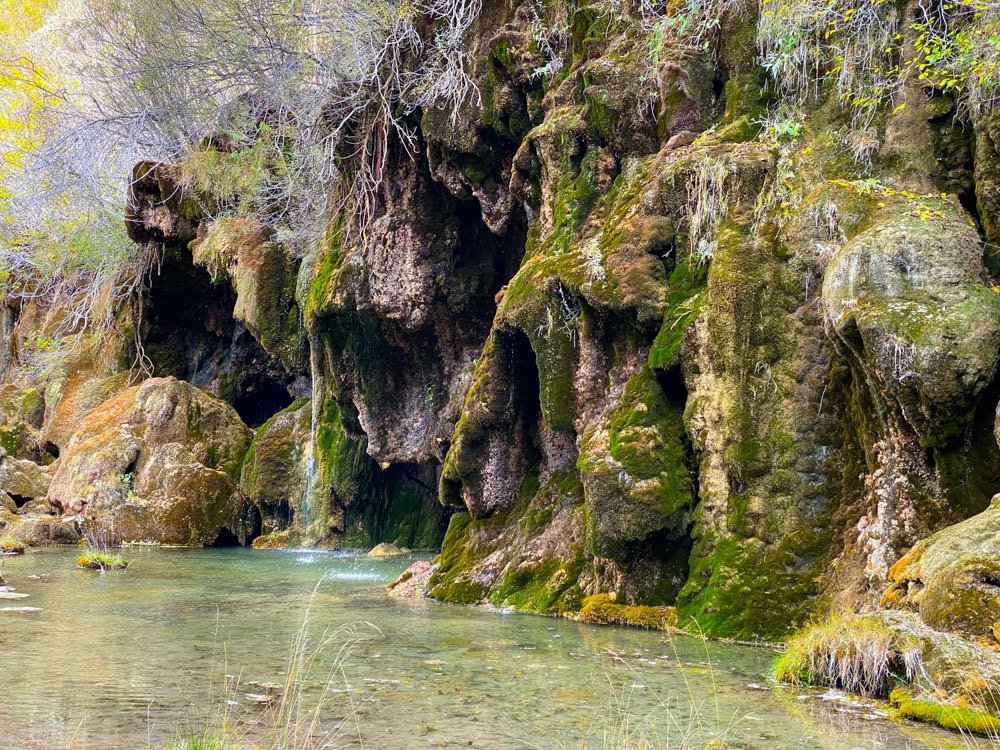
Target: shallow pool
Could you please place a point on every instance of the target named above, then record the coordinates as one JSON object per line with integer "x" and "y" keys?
{"x": 130, "y": 660}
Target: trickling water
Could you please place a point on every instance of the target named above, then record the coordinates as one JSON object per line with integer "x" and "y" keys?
{"x": 119, "y": 661}
{"x": 314, "y": 408}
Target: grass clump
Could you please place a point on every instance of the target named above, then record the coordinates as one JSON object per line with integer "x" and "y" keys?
{"x": 601, "y": 609}
{"x": 200, "y": 742}
{"x": 856, "y": 653}
{"x": 11, "y": 545}
{"x": 101, "y": 561}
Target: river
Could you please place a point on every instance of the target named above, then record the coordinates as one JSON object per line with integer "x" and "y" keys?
{"x": 135, "y": 659}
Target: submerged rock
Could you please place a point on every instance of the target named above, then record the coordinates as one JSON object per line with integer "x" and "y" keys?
{"x": 386, "y": 549}
{"x": 157, "y": 462}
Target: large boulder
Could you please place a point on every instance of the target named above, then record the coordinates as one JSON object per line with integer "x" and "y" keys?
{"x": 907, "y": 298}
{"x": 953, "y": 577}
{"x": 22, "y": 479}
{"x": 157, "y": 462}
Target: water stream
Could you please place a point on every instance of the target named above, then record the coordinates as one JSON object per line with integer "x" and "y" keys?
{"x": 116, "y": 661}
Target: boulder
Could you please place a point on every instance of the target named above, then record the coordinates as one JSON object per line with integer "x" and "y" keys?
{"x": 386, "y": 549}
{"x": 953, "y": 577}
{"x": 21, "y": 478}
{"x": 414, "y": 582}
{"x": 274, "y": 472}
{"x": 906, "y": 298}
{"x": 38, "y": 531}
{"x": 157, "y": 462}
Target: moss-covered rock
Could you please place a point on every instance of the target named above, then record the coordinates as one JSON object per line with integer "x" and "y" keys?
{"x": 157, "y": 462}
{"x": 906, "y": 296}
{"x": 22, "y": 411}
{"x": 274, "y": 474}
{"x": 263, "y": 275}
{"x": 953, "y": 577}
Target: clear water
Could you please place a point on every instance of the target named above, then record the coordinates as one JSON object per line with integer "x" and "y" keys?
{"x": 130, "y": 660}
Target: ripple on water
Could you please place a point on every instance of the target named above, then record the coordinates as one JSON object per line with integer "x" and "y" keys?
{"x": 151, "y": 646}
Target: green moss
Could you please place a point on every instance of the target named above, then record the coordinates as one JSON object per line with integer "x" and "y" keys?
{"x": 246, "y": 472}
{"x": 394, "y": 509}
{"x": 685, "y": 299}
{"x": 501, "y": 52}
{"x": 324, "y": 274}
{"x": 600, "y": 609}
{"x": 742, "y": 589}
{"x": 448, "y": 584}
{"x": 549, "y": 587}
{"x": 9, "y": 440}
{"x": 646, "y": 486}
{"x": 956, "y": 718}
{"x": 556, "y": 357}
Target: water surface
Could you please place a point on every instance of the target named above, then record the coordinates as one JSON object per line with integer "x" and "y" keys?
{"x": 129, "y": 660}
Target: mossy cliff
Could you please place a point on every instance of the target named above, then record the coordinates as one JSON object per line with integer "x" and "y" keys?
{"x": 638, "y": 326}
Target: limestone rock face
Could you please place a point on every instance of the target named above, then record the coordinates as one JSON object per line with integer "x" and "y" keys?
{"x": 263, "y": 275}
{"x": 906, "y": 297}
{"x": 274, "y": 473}
{"x": 157, "y": 462}
{"x": 399, "y": 313}
{"x": 620, "y": 332}
{"x": 73, "y": 398}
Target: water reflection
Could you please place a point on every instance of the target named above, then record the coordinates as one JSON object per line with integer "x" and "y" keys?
{"x": 125, "y": 660}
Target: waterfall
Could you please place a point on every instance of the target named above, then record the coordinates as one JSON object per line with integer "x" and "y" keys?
{"x": 305, "y": 508}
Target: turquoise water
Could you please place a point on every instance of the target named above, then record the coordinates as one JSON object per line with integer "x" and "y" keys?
{"x": 128, "y": 660}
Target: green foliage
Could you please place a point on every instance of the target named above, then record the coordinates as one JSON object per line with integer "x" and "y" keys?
{"x": 959, "y": 52}
{"x": 201, "y": 742}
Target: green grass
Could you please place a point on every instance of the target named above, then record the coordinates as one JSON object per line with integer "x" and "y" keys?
{"x": 11, "y": 545}
{"x": 200, "y": 742}
{"x": 101, "y": 561}
{"x": 857, "y": 653}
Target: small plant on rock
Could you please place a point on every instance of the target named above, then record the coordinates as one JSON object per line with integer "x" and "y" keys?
{"x": 99, "y": 535}
{"x": 101, "y": 561}
{"x": 11, "y": 545}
